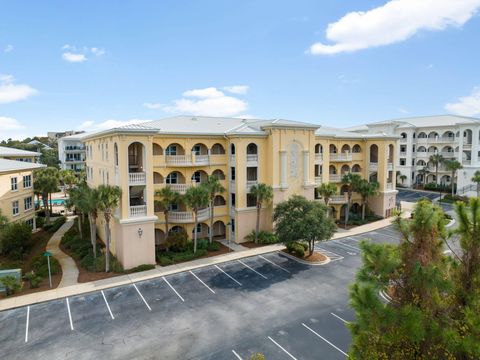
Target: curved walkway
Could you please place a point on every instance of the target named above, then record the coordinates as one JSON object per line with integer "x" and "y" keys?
{"x": 69, "y": 267}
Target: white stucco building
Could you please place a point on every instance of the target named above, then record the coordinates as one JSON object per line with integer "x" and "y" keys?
{"x": 454, "y": 137}
{"x": 71, "y": 152}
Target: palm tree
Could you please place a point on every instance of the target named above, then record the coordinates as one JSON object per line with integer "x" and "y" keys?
{"x": 263, "y": 194}
{"x": 167, "y": 198}
{"x": 350, "y": 181}
{"x": 424, "y": 172}
{"x": 109, "y": 198}
{"x": 77, "y": 200}
{"x": 68, "y": 179}
{"x": 91, "y": 206}
{"x": 214, "y": 187}
{"x": 436, "y": 160}
{"x": 196, "y": 198}
{"x": 326, "y": 191}
{"x": 476, "y": 179}
{"x": 366, "y": 190}
{"x": 453, "y": 166}
{"x": 403, "y": 178}
{"x": 46, "y": 182}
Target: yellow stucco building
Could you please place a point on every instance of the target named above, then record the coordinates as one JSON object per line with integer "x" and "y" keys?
{"x": 293, "y": 157}
{"x": 16, "y": 184}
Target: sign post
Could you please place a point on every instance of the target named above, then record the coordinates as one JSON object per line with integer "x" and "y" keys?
{"x": 48, "y": 254}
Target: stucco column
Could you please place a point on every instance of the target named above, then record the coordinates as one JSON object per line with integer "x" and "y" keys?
{"x": 475, "y": 142}
{"x": 306, "y": 166}
{"x": 460, "y": 146}
{"x": 283, "y": 169}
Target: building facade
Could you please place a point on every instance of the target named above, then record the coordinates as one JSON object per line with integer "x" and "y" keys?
{"x": 71, "y": 152}
{"x": 453, "y": 137}
{"x": 180, "y": 152}
{"x": 19, "y": 155}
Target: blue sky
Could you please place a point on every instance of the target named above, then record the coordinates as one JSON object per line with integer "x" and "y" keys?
{"x": 93, "y": 64}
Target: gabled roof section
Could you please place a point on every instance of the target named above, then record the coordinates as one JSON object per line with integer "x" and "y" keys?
{"x": 430, "y": 121}
{"x": 7, "y": 165}
{"x": 8, "y": 151}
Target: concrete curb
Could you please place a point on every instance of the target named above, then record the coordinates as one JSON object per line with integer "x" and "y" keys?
{"x": 83, "y": 288}
{"x": 294, "y": 258}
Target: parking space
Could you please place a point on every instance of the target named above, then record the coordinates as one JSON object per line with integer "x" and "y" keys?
{"x": 414, "y": 196}
{"x": 269, "y": 304}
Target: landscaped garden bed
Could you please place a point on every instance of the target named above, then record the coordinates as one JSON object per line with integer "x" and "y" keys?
{"x": 264, "y": 238}
{"x": 300, "y": 251}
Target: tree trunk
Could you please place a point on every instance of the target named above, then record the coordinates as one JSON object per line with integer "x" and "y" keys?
{"x": 347, "y": 213}
{"x": 311, "y": 247}
{"x": 436, "y": 174}
{"x": 364, "y": 205}
{"x": 195, "y": 233}
{"x": 257, "y": 226}
{"x": 107, "y": 245}
{"x": 79, "y": 223}
{"x": 51, "y": 206}
{"x": 93, "y": 235}
{"x": 166, "y": 223}
{"x": 478, "y": 189}
{"x": 45, "y": 206}
{"x": 210, "y": 233}
{"x": 453, "y": 183}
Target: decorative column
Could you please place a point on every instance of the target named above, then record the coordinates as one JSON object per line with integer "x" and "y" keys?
{"x": 306, "y": 166}
{"x": 283, "y": 169}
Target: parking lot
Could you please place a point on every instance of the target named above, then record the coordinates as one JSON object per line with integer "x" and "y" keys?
{"x": 413, "y": 196}
{"x": 269, "y": 304}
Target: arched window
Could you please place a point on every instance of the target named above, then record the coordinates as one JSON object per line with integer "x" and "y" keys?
{"x": 219, "y": 200}
{"x": 346, "y": 148}
{"x": 422, "y": 135}
{"x": 333, "y": 149}
{"x": 356, "y": 168}
{"x": 115, "y": 155}
{"x": 252, "y": 149}
{"x": 374, "y": 153}
{"x": 219, "y": 174}
{"x": 217, "y": 149}
{"x": 332, "y": 170}
{"x": 345, "y": 169}
{"x": 356, "y": 149}
{"x": 318, "y": 149}
{"x": 403, "y": 135}
{"x": 157, "y": 149}
{"x": 157, "y": 178}
{"x": 232, "y": 149}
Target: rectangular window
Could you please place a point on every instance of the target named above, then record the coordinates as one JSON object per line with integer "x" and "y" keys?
{"x": 232, "y": 199}
{"x": 15, "y": 207}
{"x": 251, "y": 200}
{"x": 106, "y": 152}
{"x": 196, "y": 149}
{"x": 27, "y": 181}
{"x": 251, "y": 173}
{"x": 402, "y": 162}
{"x": 29, "y": 222}
{"x": 232, "y": 173}
{"x": 27, "y": 203}
{"x": 13, "y": 183}
{"x": 171, "y": 150}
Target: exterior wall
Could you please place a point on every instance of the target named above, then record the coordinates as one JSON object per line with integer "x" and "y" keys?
{"x": 68, "y": 152}
{"x": 7, "y": 196}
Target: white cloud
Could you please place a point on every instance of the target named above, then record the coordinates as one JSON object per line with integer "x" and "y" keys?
{"x": 237, "y": 89}
{"x": 393, "y": 22}
{"x": 466, "y": 105}
{"x": 108, "y": 124}
{"x": 11, "y": 128}
{"x": 8, "y": 48}
{"x": 403, "y": 110}
{"x": 72, "y": 57}
{"x": 97, "y": 51}
{"x": 207, "y": 102}
{"x": 11, "y": 92}
{"x": 153, "y": 106}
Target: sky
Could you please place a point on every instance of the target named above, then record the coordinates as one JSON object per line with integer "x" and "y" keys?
{"x": 90, "y": 65}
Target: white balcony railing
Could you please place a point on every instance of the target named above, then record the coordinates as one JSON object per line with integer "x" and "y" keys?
{"x": 252, "y": 158}
{"x": 335, "y": 178}
{"x": 448, "y": 154}
{"x": 390, "y": 166}
{"x": 318, "y": 180}
{"x": 341, "y": 157}
{"x": 232, "y": 212}
{"x": 232, "y": 159}
{"x": 373, "y": 166}
{"x": 318, "y": 158}
{"x": 389, "y": 186}
{"x": 195, "y": 160}
{"x": 137, "y": 178}
{"x": 187, "y": 216}
{"x": 251, "y": 183}
{"x": 138, "y": 210}
{"x": 338, "y": 199}
{"x": 403, "y": 153}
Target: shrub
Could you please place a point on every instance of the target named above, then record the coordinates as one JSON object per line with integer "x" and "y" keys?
{"x": 12, "y": 284}
{"x": 165, "y": 260}
{"x": 53, "y": 227}
{"x": 40, "y": 221}
{"x": 264, "y": 237}
{"x": 143, "y": 267}
{"x": 177, "y": 241}
{"x": 115, "y": 265}
{"x": 297, "y": 249}
{"x": 16, "y": 239}
{"x": 39, "y": 265}
{"x": 201, "y": 244}
{"x": 257, "y": 356}
{"x": 214, "y": 246}
{"x": 33, "y": 279}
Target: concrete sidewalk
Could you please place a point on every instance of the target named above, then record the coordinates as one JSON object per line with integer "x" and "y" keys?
{"x": 62, "y": 292}
{"x": 69, "y": 267}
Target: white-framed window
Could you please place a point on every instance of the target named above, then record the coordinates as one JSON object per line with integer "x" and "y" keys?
{"x": 172, "y": 178}
{"x": 29, "y": 222}
{"x": 14, "y": 183}
{"x": 173, "y": 207}
{"x": 171, "y": 150}
{"x": 15, "y": 208}
{"x": 196, "y": 149}
{"x": 28, "y": 203}
{"x": 27, "y": 181}
{"x": 106, "y": 152}
{"x": 103, "y": 153}
{"x": 196, "y": 176}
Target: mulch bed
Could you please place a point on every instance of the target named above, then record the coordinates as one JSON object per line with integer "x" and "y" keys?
{"x": 223, "y": 250}
{"x": 252, "y": 245}
{"x": 314, "y": 258}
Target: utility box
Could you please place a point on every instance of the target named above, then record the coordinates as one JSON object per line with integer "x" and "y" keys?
{"x": 16, "y": 273}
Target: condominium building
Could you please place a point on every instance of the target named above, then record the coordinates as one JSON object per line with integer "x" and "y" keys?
{"x": 18, "y": 154}
{"x": 71, "y": 152}
{"x": 180, "y": 152}
{"x": 454, "y": 137}
{"x": 55, "y": 135}
{"x": 16, "y": 190}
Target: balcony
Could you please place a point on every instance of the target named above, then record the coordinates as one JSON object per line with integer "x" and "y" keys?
{"x": 318, "y": 180}
{"x": 195, "y": 160}
{"x": 137, "y": 178}
{"x": 138, "y": 210}
{"x": 373, "y": 166}
{"x": 179, "y": 188}
{"x": 232, "y": 159}
{"x": 319, "y": 158}
{"x": 187, "y": 216}
{"x": 341, "y": 157}
{"x": 439, "y": 140}
{"x": 252, "y": 159}
{"x": 232, "y": 186}
{"x": 403, "y": 153}
{"x": 448, "y": 154}
{"x": 335, "y": 178}
{"x": 338, "y": 199}
{"x": 251, "y": 183}
{"x": 390, "y": 166}
{"x": 389, "y": 186}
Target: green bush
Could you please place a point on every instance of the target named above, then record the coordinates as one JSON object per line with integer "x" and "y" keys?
{"x": 264, "y": 237}
{"x": 214, "y": 246}
{"x": 55, "y": 225}
{"x": 33, "y": 279}
{"x": 439, "y": 187}
{"x": 143, "y": 267}
{"x": 201, "y": 244}
{"x": 297, "y": 249}
{"x": 40, "y": 221}
{"x": 115, "y": 265}
{"x": 15, "y": 239}
{"x": 177, "y": 241}
{"x": 170, "y": 257}
{"x": 12, "y": 284}
{"x": 165, "y": 261}
{"x": 39, "y": 265}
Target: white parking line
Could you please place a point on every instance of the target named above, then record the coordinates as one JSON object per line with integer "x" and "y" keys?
{"x": 26, "y": 326}
{"x": 347, "y": 246}
{"x": 236, "y": 355}
{"x": 69, "y": 314}
{"x": 333, "y": 256}
{"x": 196, "y": 277}
{"x": 108, "y": 306}
{"x": 328, "y": 342}
{"x": 255, "y": 271}
{"x": 339, "y": 318}
{"x": 231, "y": 277}
{"x": 171, "y": 287}
{"x": 280, "y": 346}
{"x": 139, "y": 293}
{"x": 271, "y": 262}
